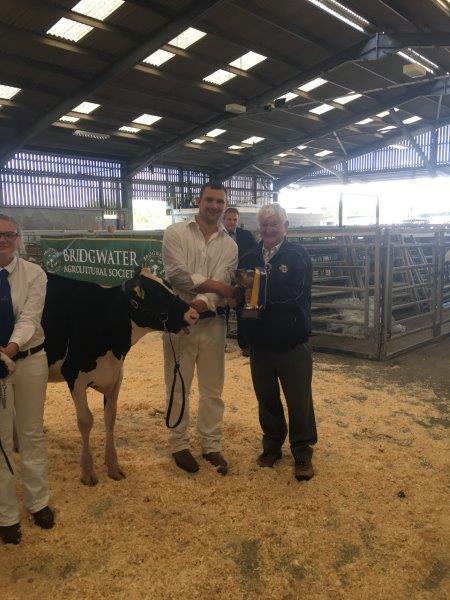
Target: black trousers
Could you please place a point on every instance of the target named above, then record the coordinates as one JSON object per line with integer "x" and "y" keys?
{"x": 293, "y": 369}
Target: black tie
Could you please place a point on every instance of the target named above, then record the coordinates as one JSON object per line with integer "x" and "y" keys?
{"x": 7, "y": 320}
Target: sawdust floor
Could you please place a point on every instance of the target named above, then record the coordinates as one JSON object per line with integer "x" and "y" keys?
{"x": 373, "y": 523}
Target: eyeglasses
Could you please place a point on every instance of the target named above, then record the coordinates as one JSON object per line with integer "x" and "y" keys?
{"x": 10, "y": 236}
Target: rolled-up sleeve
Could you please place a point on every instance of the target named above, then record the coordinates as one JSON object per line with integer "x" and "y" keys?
{"x": 29, "y": 318}
{"x": 175, "y": 265}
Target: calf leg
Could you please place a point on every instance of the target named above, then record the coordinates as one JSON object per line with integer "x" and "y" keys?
{"x": 85, "y": 421}
{"x": 115, "y": 471}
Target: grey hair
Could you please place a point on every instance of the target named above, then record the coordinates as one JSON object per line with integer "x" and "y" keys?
{"x": 271, "y": 210}
{"x": 4, "y": 217}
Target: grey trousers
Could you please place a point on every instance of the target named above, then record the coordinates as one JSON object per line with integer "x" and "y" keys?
{"x": 293, "y": 369}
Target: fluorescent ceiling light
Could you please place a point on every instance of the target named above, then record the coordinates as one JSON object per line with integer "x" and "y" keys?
{"x": 342, "y": 13}
{"x": 247, "y": 61}
{"x": 398, "y": 147}
{"x": 215, "y": 132}
{"x": 320, "y": 110}
{"x": 234, "y": 147}
{"x": 288, "y": 97}
{"x": 412, "y": 120}
{"x": 188, "y": 37}
{"x": 415, "y": 61}
{"x": 313, "y": 84}
{"x": 323, "y": 153}
{"x": 158, "y": 58}
{"x": 8, "y": 91}
{"x": 197, "y": 141}
{"x": 385, "y": 113}
{"x": 69, "y": 119}
{"x": 364, "y": 121}
{"x": 387, "y": 128}
{"x": 302, "y": 147}
{"x": 69, "y": 30}
{"x": 219, "y": 77}
{"x": 282, "y": 155}
{"x": 146, "y": 119}
{"x": 347, "y": 98}
{"x": 128, "y": 129}
{"x": 254, "y": 139}
{"x": 94, "y": 135}
{"x": 86, "y": 107}
{"x": 97, "y": 10}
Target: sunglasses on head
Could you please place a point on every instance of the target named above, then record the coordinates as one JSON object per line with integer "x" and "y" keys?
{"x": 10, "y": 236}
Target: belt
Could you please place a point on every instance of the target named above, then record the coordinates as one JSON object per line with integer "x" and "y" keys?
{"x": 28, "y": 352}
{"x": 207, "y": 314}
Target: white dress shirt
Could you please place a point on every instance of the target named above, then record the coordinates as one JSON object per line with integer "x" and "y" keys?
{"x": 189, "y": 260}
{"x": 28, "y": 284}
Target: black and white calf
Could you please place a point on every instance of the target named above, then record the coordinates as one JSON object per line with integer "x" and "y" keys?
{"x": 89, "y": 331}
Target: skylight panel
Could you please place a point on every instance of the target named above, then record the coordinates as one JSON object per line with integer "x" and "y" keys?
{"x": 197, "y": 141}
{"x": 158, "y": 58}
{"x": 8, "y": 91}
{"x": 313, "y": 84}
{"x": 320, "y": 110}
{"x": 383, "y": 114}
{"x": 69, "y": 30}
{"x": 364, "y": 121}
{"x": 188, "y": 37}
{"x": 146, "y": 119}
{"x": 215, "y": 132}
{"x": 387, "y": 128}
{"x": 234, "y": 147}
{"x": 413, "y": 119}
{"x": 288, "y": 97}
{"x": 97, "y": 10}
{"x": 347, "y": 98}
{"x": 247, "y": 61}
{"x": 129, "y": 129}
{"x": 219, "y": 77}
{"x": 86, "y": 107}
{"x": 254, "y": 139}
{"x": 323, "y": 153}
{"x": 302, "y": 147}
{"x": 69, "y": 119}
{"x": 342, "y": 13}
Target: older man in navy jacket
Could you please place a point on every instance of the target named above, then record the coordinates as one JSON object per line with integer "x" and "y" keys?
{"x": 279, "y": 349}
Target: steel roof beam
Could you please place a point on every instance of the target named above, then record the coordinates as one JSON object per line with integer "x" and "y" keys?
{"x": 433, "y": 87}
{"x": 365, "y": 51}
{"x": 195, "y": 11}
{"x": 396, "y": 137}
{"x": 430, "y": 167}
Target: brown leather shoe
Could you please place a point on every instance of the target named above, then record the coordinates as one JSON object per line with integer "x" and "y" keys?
{"x": 216, "y": 459}
{"x": 44, "y": 518}
{"x": 268, "y": 460}
{"x": 186, "y": 461}
{"x": 11, "y": 534}
{"x": 303, "y": 470}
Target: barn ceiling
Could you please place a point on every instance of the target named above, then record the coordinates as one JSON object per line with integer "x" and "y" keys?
{"x": 224, "y": 85}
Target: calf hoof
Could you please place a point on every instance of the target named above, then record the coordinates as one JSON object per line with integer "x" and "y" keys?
{"x": 89, "y": 480}
{"x": 116, "y": 473}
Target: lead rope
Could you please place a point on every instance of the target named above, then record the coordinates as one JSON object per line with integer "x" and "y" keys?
{"x": 6, "y": 458}
{"x": 3, "y": 403}
{"x": 176, "y": 372}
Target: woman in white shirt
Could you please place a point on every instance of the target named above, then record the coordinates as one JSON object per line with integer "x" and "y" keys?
{"x": 22, "y": 296}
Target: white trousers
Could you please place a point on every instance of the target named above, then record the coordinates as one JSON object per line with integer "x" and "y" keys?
{"x": 203, "y": 348}
{"x": 25, "y": 397}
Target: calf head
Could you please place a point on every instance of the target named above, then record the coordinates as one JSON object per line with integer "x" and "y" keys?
{"x": 154, "y": 305}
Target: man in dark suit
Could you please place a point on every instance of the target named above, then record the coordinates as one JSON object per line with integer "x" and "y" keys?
{"x": 245, "y": 242}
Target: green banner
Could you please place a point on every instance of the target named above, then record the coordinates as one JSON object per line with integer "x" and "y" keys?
{"x": 104, "y": 260}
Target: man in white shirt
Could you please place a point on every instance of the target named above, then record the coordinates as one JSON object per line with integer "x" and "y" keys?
{"x": 22, "y": 296}
{"x": 199, "y": 260}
